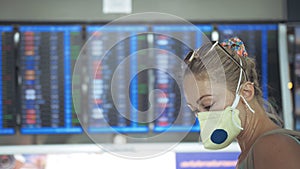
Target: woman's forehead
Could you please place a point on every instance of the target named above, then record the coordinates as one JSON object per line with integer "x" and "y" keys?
{"x": 203, "y": 85}
{"x": 196, "y": 88}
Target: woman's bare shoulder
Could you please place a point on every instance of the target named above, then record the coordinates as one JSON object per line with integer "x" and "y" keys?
{"x": 276, "y": 151}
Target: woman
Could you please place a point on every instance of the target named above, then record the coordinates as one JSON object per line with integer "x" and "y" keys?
{"x": 222, "y": 89}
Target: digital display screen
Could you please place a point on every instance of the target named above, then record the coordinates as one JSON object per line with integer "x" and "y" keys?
{"x": 47, "y": 57}
{"x": 170, "y": 107}
{"x": 118, "y": 114}
{"x": 7, "y": 81}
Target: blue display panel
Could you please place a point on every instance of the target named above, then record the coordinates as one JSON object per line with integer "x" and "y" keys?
{"x": 170, "y": 108}
{"x": 108, "y": 47}
{"x": 261, "y": 41}
{"x": 47, "y": 58}
{"x": 7, "y": 81}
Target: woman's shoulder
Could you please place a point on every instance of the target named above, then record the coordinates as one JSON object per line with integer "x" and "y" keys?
{"x": 279, "y": 138}
{"x": 277, "y": 141}
{"x": 277, "y": 149}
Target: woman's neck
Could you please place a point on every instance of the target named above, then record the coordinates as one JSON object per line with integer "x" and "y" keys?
{"x": 255, "y": 125}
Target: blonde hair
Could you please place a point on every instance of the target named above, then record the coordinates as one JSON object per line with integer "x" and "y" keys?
{"x": 217, "y": 58}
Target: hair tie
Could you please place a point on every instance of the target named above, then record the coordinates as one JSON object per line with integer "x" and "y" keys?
{"x": 236, "y": 45}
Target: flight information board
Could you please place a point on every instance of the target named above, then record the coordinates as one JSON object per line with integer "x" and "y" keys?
{"x": 47, "y": 56}
{"x": 261, "y": 41}
{"x": 7, "y": 81}
{"x": 108, "y": 47}
{"x": 173, "y": 115}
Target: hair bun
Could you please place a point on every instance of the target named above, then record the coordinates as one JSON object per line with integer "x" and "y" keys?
{"x": 236, "y": 45}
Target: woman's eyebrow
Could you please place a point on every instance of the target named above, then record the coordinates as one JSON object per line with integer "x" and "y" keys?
{"x": 200, "y": 98}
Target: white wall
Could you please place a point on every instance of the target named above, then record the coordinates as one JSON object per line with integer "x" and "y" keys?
{"x": 193, "y": 10}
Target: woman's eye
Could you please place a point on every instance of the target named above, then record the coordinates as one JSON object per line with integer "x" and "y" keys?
{"x": 207, "y": 107}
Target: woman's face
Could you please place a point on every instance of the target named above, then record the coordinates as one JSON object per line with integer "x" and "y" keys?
{"x": 203, "y": 95}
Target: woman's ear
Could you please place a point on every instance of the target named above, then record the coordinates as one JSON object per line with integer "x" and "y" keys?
{"x": 248, "y": 91}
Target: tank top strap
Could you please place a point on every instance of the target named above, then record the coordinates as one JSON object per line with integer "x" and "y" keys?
{"x": 293, "y": 134}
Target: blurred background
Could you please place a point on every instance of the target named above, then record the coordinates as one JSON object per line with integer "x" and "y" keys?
{"x": 57, "y": 60}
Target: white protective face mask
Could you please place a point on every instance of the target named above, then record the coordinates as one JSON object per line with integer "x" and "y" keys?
{"x": 219, "y": 128}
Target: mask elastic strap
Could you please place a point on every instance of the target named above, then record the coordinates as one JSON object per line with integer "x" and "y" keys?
{"x": 236, "y": 101}
{"x": 248, "y": 105}
{"x": 234, "y": 104}
{"x": 240, "y": 78}
{"x": 234, "y": 122}
{"x": 237, "y": 98}
{"x": 238, "y": 89}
